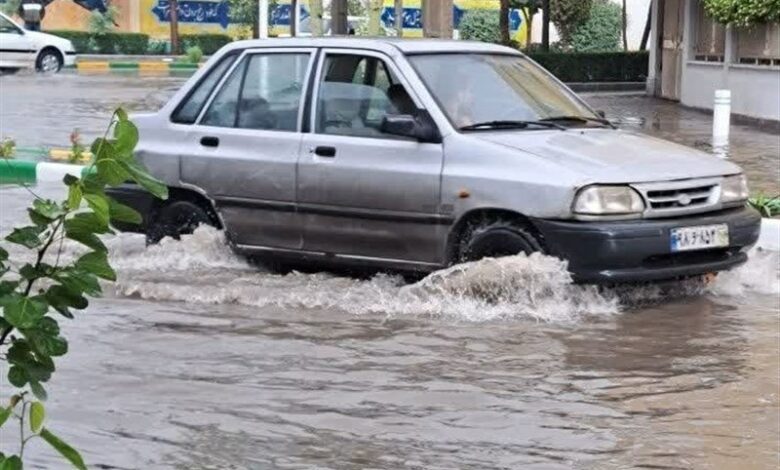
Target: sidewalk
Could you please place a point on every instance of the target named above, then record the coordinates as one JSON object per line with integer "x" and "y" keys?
{"x": 104, "y": 63}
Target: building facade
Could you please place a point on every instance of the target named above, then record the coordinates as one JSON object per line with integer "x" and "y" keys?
{"x": 691, "y": 56}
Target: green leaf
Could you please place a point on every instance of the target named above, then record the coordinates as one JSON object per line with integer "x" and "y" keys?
{"x": 74, "y": 196}
{"x": 17, "y": 377}
{"x": 6, "y": 288}
{"x": 37, "y": 415}
{"x": 64, "y": 449}
{"x": 86, "y": 222}
{"x": 45, "y": 338}
{"x": 30, "y": 272}
{"x": 112, "y": 172}
{"x": 87, "y": 239}
{"x": 121, "y": 114}
{"x": 38, "y": 391}
{"x": 38, "y": 219}
{"x": 3, "y": 254}
{"x": 122, "y": 213}
{"x": 78, "y": 281}
{"x": 28, "y": 237}
{"x": 47, "y": 208}
{"x": 5, "y": 413}
{"x": 99, "y": 206}
{"x": 70, "y": 180}
{"x": 96, "y": 263}
{"x": 12, "y": 463}
{"x": 24, "y": 312}
{"x": 126, "y": 135}
{"x": 147, "y": 181}
{"x": 60, "y": 295}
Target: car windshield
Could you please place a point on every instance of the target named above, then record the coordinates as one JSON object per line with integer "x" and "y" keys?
{"x": 484, "y": 89}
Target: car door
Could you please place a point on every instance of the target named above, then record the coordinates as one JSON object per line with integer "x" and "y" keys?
{"x": 363, "y": 193}
{"x": 245, "y": 144}
{"x": 16, "y": 48}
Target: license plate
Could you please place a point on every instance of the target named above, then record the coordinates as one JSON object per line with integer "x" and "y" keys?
{"x": 699, "y": 238}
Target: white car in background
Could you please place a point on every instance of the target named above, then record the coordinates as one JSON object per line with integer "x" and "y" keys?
{"x": 20, "y": 48}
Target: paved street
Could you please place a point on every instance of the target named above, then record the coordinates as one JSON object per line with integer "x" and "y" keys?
{"x": 196, "y": 360}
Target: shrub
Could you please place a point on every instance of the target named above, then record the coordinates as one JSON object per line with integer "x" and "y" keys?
{"x": 743, "y": 12}
{"x": 80, "y": 39}
{"x": 194, "y": 55}
{"x": 767, "y": 206}
{"x": 208, "y": 43}
{"x": 602, "y": 31}
{"x": 106, "y": 43}
{"x": 595, "y": 66}
{"x": 157, "y": 47}
{"x": 102, "y": 23}
{"x": 481, "y": 25}
{"x": 568, "y": 15}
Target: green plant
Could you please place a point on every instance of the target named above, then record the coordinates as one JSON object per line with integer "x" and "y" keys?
{"x": 157, "y": 47}
{"x": 480, "y": 25}
{"x": 208, "y": 43}
{"x": 10, "y": 7}
{"x": 743, "y": 12}
{"x": 77, "y": 148}
{"x": 767, "y": 206}
{"x": 595, "y": 66}
{"x": 80, "y": 39}
{"x": 602, "y": 31}
{"x": 7, "y": 148}
{"x": 194, "y": 55}
{"x": 39, "y": 283}
{"x": 102, "y": 23}
{"x": 106, "y": 43}
{"x": 568, "y": 15}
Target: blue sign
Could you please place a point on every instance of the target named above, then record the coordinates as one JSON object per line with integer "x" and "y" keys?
{"x": 195, "y": 11}
{"x": 413, "y": 17}
{"x": 282, "y": 15}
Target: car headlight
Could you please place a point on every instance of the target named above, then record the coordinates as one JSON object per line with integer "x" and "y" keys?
{"x": 734, "y": 189}
{"x": 608, "y": 200}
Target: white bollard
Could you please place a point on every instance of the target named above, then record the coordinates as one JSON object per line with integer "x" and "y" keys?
{"x": 721, "y": 117}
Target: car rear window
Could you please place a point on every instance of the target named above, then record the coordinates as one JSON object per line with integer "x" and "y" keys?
{"x": 189, "y": 109}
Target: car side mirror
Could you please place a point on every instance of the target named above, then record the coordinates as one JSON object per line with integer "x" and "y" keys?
{"x": 419, "y": 126}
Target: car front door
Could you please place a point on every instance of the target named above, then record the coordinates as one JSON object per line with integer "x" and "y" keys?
{"x": 363, "y": 193}
{"x": 245, "y": 145}
{"x": 16, "y": 49}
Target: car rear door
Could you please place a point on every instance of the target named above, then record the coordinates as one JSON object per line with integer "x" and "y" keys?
{"x": 363, "y": 193}
{"x": 16, "y": 48}
{"x": 244, "y": 147}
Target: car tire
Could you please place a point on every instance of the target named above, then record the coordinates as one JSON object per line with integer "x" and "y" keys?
{"x": 175, "y": 219}
{"x": 8, "y": 70}
{"x": 496, "y": 239}
{"x": 49, "y": 61}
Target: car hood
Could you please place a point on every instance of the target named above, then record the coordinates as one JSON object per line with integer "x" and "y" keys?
{"x": 43, "y": 40}
{"x": 614, "y": 156}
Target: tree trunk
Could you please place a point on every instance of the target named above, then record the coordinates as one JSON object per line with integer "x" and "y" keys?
{"x": 648, "y": 26}
{"x": 437, "y": 18}
{"x": 174, "y": 20}
{"x": 528, "y": 17}
{"x": 546, "y": 25}
{"x": 399, "y": 18}
{"x": 315, "y": 15}
{"x": 338, "y": 13}
{"x": 374, "y": 16}
{"x": 625, "y": 26}
{"x": 294, "y": 18}
{"x": 503, "y": 21}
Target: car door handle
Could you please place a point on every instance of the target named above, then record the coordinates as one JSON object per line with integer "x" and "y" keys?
{"x": 209, "y": 141}
{"x": 323, "y": 151}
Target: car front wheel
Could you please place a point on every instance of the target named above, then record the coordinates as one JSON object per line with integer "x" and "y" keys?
{"x": 496, "y": 239}
{"x": 176, "y": 219}
{"x": 49, "y": 61}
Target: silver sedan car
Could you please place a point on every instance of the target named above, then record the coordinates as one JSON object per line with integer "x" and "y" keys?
{"x": 416, "y": 155}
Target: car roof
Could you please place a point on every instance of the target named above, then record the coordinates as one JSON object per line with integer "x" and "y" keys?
{"x": 406, "y": 46}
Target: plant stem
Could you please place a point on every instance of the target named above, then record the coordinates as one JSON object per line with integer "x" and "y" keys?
{"x": 21, "y": 431}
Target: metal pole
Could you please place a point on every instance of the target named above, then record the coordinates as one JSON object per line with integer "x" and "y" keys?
{"x": 262, "y": 19}
{"x": 295, "y": 21}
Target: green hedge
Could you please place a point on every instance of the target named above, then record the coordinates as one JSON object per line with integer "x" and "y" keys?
{"x": 595, "y": 66}
{"x": 208, "y": 43}
{"x": 109, "y": 43}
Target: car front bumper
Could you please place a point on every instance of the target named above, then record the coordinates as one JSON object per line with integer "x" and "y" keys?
{"x": 69, "y": 60}
{"x": 640, "y": 250}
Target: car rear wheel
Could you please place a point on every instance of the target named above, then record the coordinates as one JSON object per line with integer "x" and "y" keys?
{"x": 49, "y": 61}
{"x": 496, "y": 239}
{"x": 176, "y": 219}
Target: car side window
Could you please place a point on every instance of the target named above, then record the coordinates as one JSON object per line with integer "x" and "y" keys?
{"x": 263, "y": 93}
{"x": 189, "y": 109}
{"x": 8, "y": 27}
{"x": 356, "y": 93}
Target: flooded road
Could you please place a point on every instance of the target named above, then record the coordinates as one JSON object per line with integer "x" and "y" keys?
{"x": 196, "y": 360}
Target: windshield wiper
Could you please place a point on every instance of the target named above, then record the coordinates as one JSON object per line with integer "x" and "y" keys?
{"x": 489, "y": 125}
{"x": 579, "y": 119}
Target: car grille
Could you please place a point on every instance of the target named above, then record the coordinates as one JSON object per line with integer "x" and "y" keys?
{"x": 675, "y": 198}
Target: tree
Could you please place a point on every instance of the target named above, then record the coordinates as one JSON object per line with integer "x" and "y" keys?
{"x": 601, "y": 32}
{"x": 315, "y": 17}
{"x": 743, "y": 13}
{"x": 568, "y": 15}
{"x": 174, "y": 20}
{"x": 529, "y": 9}
{"x": 480, "y": 25}
{"x": 245, "y": 13}
{"x": 374, "y": 16}
{"x": 399, "y": 17}
{"x": 503, "y": 21}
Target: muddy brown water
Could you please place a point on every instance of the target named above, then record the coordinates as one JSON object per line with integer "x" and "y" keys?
{"x": 196, "y": 360}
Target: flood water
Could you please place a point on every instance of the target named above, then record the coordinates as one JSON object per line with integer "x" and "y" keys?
{"x": 196, "y": 360}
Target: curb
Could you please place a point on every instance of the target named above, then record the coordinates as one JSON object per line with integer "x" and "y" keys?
{"x": 31, "y": 172}
{"x": 134, "y": 66}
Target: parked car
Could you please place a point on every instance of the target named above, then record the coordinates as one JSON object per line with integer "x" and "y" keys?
{"x": 416, "y": 155}
{"x": 20, "y": 48}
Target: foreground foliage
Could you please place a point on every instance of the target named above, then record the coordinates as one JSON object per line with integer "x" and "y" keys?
{"x": 767, "y": 206}
{"x": 37, "y": 290}
{"x": 743, "y": 13}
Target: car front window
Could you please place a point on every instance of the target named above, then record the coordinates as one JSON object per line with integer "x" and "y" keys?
{"x": 8, "y": 26}
{"x": 480, "y": 88}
